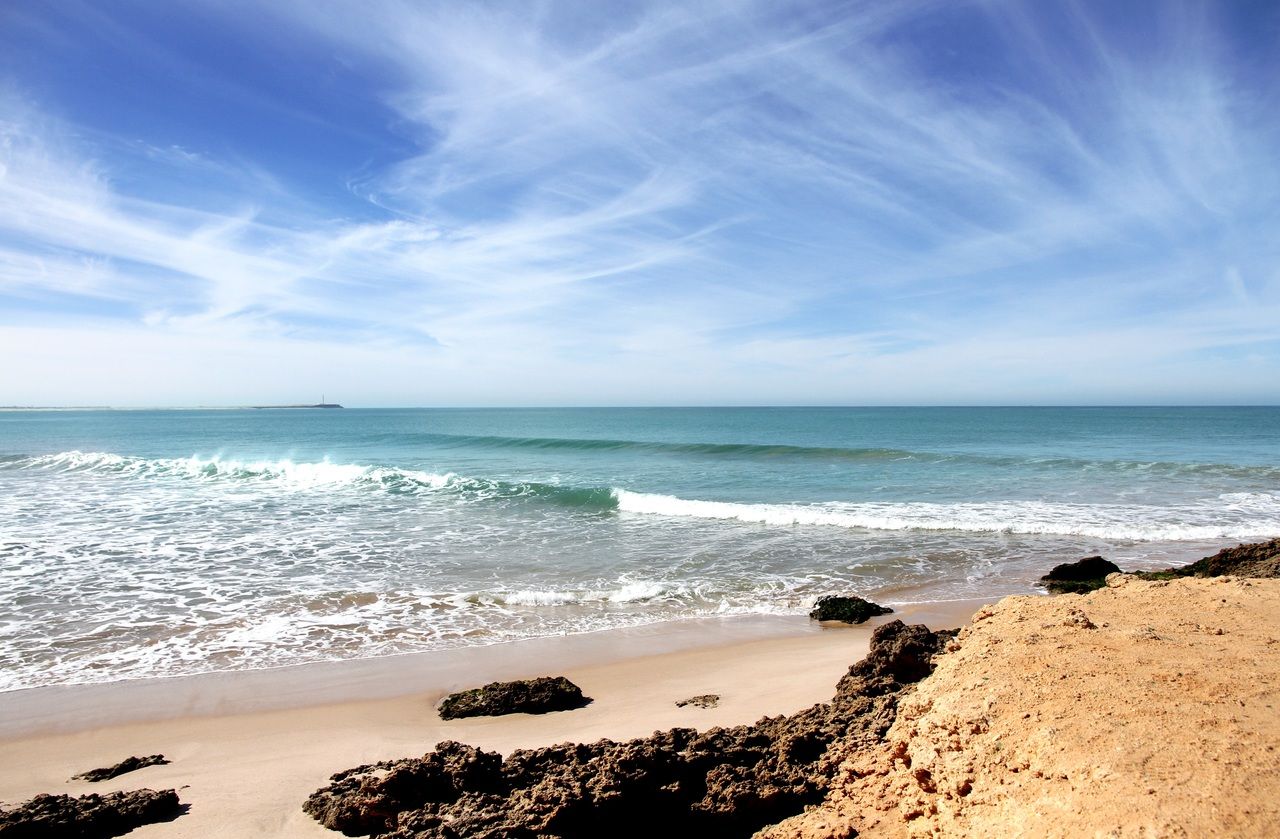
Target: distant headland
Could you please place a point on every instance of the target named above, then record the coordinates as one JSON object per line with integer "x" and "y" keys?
{"x": 321, "y": 404}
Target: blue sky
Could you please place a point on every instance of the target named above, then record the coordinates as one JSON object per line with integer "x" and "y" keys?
{"x": 404, "y": 203}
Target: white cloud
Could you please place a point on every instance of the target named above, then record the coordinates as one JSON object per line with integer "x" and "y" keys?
{"x": 712, "y": 202}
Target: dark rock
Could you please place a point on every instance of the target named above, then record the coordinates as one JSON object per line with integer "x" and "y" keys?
{"x": 719, "y": 783}
{"x": 368, "y": 799}
{"x": 900, "y": 655}
{"x": 528, "y": 696}
{"x": 129, "y": 764}
{"x": 846, "y": 609}
{"x": 89, "y": 816}
{"x": 1260, "y": 559}
{"x": 706, "y": 700}
{"x": 1079, "y": 577}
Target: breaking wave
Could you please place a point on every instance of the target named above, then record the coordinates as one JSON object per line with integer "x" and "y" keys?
{"x": 1233, "y": 515}
{"x": 288, "y": 475}
{"x": 1230, "y": 515}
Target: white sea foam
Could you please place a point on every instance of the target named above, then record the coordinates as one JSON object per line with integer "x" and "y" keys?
{"x": 284, "y": 473}
{"x": 1264, "y": 502}
{"x": 1234, "y": 515}
{"x": 542, "y": 598}
{"x": 1102, "y": 521}
{"x": 625, "y": 592}
{"x": 636, "y": 592}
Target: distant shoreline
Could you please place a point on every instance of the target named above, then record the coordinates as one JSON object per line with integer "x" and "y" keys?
{"x": 59, "y": 408}
{"x": 163, "y": 407}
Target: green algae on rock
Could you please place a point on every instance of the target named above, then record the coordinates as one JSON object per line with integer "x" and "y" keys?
{"x": 526, "y": 696}
{"x": 846, "y": 609}
{"x": 1079, "y": 577}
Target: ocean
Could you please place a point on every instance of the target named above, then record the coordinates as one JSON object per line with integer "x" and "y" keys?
{"x": 138, "y": 544}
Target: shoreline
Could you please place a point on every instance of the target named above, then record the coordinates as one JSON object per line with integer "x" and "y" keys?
{"x": 246, "y": 771}
{"x": 65, "y": 709}
{"x": 1160, "y": 683}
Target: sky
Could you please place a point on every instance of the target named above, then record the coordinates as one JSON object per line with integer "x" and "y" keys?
{"x": 693, "y": 203}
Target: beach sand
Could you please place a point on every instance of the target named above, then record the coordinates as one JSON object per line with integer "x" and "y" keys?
{"x": 1147, "y": 708}
{"x": 247, "y": 749}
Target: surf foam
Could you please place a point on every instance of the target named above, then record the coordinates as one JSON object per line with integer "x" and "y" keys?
{"x": 1123, "y": 522}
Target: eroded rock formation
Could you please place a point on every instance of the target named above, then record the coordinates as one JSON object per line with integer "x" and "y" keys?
{"x": 1260, "y": 559}
{"x": 89, "y": 816}
{"x": 722, "y": 782}
{"x": 129, "y": 764}
{"x": 526, "y": 696}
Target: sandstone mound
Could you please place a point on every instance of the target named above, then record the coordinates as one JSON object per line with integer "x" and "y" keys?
{"x": 1142, "y": 709}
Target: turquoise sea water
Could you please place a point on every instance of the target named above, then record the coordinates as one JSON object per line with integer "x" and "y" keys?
{"x": 143, "y": 543}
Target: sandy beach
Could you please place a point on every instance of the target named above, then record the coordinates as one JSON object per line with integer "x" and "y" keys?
{"x": 1144, "y": 708}
{"x": 438, "y": 419}
{"x": 247, "y": 772}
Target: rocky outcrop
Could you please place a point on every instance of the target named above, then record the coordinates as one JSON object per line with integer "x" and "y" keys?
{"x": 89, "y": 816}
{"x": 129, "y": 764}
{"x": 527, "y": 696}
{"x": 706, "y": 700}
{"x": 722, "y": 782}
{"x": 847, "y": 609}
{"x": 1260, "y": 559}
{"x": 1078, "y": 577}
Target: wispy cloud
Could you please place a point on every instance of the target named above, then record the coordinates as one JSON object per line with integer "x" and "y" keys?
{"x": 733, "y": 201}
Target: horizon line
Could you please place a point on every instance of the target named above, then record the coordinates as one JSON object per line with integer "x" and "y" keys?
{"x": 654, "y": 407}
